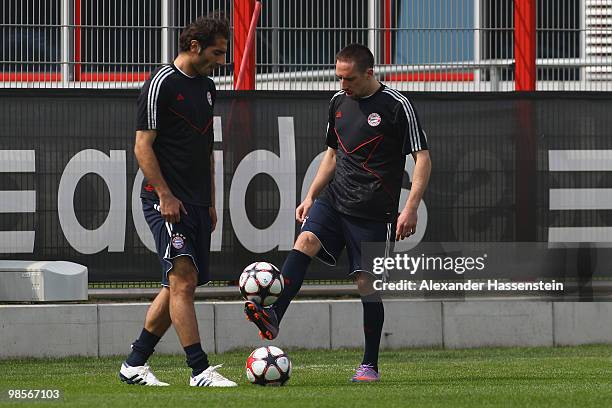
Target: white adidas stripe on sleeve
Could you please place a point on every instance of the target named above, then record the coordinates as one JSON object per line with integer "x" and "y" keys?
{"x": 153, "y": 95}
{"x": 415, "y": 139}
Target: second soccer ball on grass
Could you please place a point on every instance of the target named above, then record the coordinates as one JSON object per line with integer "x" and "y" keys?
{"x": 268, "y": 366}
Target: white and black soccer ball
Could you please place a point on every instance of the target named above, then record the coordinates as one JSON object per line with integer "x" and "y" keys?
{"x": 261, "y": 282}
{"x": 268, "y": 366}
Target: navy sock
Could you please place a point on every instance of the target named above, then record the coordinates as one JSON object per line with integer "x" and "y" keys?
{"x": 373, "y": 319}
{"x": 196, "y": 358}
{"x": 294, "y": 270}
{"x": 142, "y": 348}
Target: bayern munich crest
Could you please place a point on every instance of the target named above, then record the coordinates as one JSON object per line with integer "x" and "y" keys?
{"x": 374, "y": 119}
{"x": 178, "y": 241}
{"x": 209, "y": 97}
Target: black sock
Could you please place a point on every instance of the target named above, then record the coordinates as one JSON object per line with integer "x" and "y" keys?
{"x": 293, "y": 272}
{"x": 373, "y": 319}
{"x": 196, "y": 358}
{"x": 142, "y": 348}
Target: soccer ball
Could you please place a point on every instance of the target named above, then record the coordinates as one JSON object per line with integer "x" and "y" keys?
{"x": 268, "y": 366}
{"x": 261, "y": 282}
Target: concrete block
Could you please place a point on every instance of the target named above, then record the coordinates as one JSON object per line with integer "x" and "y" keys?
{"x": 121, "y": 323}
{"x": 44, "y": 281}
{"x": 108, "y": 329}
{"x": 497, "y": 323}
{"x": 48, "y": 330}
{"x": 305, "y": 325}
{"x": 407, "y": 324}
{"x": 582, "y": 323}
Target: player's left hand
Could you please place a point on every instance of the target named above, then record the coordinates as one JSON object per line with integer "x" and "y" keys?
{"x": 212, "y": 211}
{"x": 406, "y": 224}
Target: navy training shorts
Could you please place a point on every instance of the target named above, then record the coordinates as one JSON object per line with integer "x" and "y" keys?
{"x": 335, "y": 231}
{"x": 190, "y": 237}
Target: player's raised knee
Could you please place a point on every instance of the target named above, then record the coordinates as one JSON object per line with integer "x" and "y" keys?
{"x": 307, "y": 243}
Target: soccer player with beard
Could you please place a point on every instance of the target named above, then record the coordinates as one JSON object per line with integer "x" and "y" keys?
{"x": 174, "y": 141}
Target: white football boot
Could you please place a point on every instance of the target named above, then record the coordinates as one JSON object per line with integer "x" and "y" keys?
{"x": 211, "y": 378}
{"x": 140, "y": 375}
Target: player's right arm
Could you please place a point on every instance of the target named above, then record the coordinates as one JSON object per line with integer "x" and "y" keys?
{"x": 152, "y": 100}
{"x": 328, "y": 165}
{"x": 324, "y": 174}
{"x": 170, "y": 206}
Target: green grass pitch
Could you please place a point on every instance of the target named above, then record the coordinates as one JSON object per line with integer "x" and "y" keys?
{"x": 500, "y": 377}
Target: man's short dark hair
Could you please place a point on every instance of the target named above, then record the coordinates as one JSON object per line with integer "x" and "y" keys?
{"x": 358, "y": 54}
{"x": 205, "y": 30}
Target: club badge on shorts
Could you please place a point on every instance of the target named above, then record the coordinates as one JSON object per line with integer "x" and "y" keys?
{"x": 374, "y": 119}
{"x": 178, "y": 241}
{"x": 209, "y": 97}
